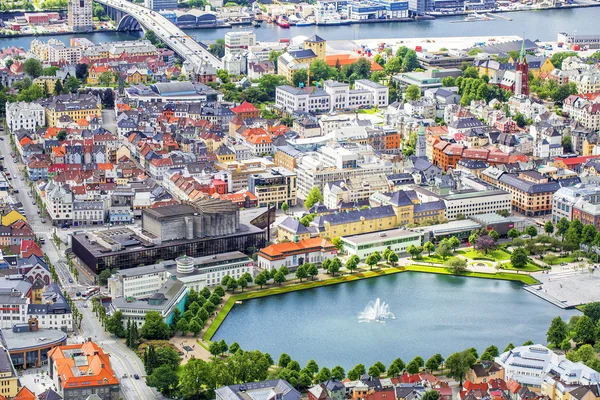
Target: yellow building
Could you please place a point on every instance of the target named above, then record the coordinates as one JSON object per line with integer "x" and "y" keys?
{"x": 484, "y": 372}
{"x": 536, "y": 66}
{"x": 587, "y": 148}
{"x": 292, "y": 61}
{"x": 224, "y": 154}
{"x": 9, "y": 381}
{"x": 36, "y": 291}
{"x": 355, "y": 222}
{"x": 12, "y": 217}
{"x": 584, "y": 393}
{"x": 291, "y": 229}
{"x": 48, "y": 81}
{"x": 137, "y": 76}
{"x": 84, "y": 106}
{"x": 96, "y": 71}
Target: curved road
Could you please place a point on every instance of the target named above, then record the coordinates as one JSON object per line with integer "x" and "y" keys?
{"x": 168, "y": 32}
{"x": 125, "y": 361}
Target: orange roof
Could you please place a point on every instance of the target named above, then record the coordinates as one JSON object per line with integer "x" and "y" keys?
{"x": 51, "y": 132}
{"x": 25, "y": 140}
{"x": 245, "y": 107}
{"x": 279, "y": 249}
{"x": 58, "y": 151}
{"x": 237, "y": 197}
{"x": 256, "y": 139}
{"x": 345, "y": 59}
{"x": 83, "y": 122}
{"x": 95, "y": 372}
{"x": 105, "y": 166}
{"x": 100, "y": 69}
{"x": 25, "y": 394}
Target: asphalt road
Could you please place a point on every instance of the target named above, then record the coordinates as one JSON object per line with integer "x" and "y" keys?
{"x": 125, "y": 361}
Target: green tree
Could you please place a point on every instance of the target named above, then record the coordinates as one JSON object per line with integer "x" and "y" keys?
{"x": 518, "y": 258}
{"x": 444, "y": 249}
{"x": 458, "y": 364}
{"x": 301, "y": 272}
{"x": 232, "y": 284}
{"x": 323, "y": 375}
{"x": 494, "y": 235}
{"x": 285, "y": 207}
{"x": 182, "y": 326}
{"x": 217, "y": 48}
{"x": 243, "y": 283}
{"x": 392, "y": 259}
{"x": 412, "y": 250}
{"x": 409, "y": 61}
{"x": 114, "y": 324}
{"x": 312, "y": 271}
{"x": 567, "y": 144}
{"x": 557, "y": 332}
{"x": 334, "y": 266}
{"x": 431, "y": 395}
{"x": 454, "y": 242}
{"x": 284, "y": 360}
{"x": 338, "y": 373}
{"x": 154, "y": 327}
{"x": 531, "y": 231}
{"x": 393, "y": 66}
{"x": 584, "y": 332}
{"x": 195, "y": 327}
{"x": 448, "y": 81}
{"x": 549, "y": 227}
{"x": 164, "y": 379}
{"x": 312, "y": 367}
{"x": 562, "y": 226}
{"x": 352, "y": 263}
{"x": 558, "y": 58}
{"x": 429, "y": 247}
{"x": 456, "y": 264}
{"x": 592, "y": 311}
{"x": 319, "y": 71}
{"x": 299, "y": 76}
{"x": 58, "y": 87}
{"x": 72, "y": 84}
{"x": 470, "y": 72}
{"x": 374, "y": 371}
{"x": 373, "y": 259}
{"x": 413, "y": 92}
{"x": 433, "y": 363}
{"x": 33, "y": 67}
{"x": 588, "y": 234}
{"x": 314, "y": 196}
{"x": 412, "y": 367}
{"x": 279, "y": 278}
{"x": 261, "y": 279}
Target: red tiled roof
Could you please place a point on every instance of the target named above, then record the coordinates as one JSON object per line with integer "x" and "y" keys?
{"x": 280, "y": 249}
{"x": 245, "y": 107}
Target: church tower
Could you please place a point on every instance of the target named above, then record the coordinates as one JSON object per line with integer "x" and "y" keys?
{"x": 522, "y": 81}
{"x": 421, "y": 146}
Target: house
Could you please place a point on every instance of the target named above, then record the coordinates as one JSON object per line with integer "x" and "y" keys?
{"x": 294, "y": 254}
{"x": 246, "y": 110}
{"x": 256, "y": 70}
{"x": 275, "y": 389}
{"x": 485, "y": 371}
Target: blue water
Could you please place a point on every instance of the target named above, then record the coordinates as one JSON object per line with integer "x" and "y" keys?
{"x": 434, "y": 314}
{"x": 543, "y": 25}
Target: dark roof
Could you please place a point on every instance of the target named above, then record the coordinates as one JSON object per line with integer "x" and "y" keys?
{"x": 528, "y": 187}
{"x": 354, "y": 216}
{"x": 293, "y": 225}
{"x": 303, "y": 54}
{"x": 430, "y": 206}
{"x": 318, "y": 208}
{"x": 400, "y": 199}
{"x": 49, "y": 395}
{"x": 315, "y": 39}
{"x": 169, "y": 211}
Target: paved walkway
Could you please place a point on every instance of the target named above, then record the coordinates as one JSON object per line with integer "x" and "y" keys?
{"x": 568, "y": 285}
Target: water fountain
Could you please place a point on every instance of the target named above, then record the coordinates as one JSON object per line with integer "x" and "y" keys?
{"x": 377, "y": 311}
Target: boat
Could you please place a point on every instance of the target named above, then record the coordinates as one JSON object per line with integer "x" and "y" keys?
{"x": 304, "y": 22}
{"x": 282, "y": 22}
{"x": 238, "y": 302}
{"x": 256, "y": 23}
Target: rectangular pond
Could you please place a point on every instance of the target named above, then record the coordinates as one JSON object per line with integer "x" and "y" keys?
{"x": 433, "y": 314}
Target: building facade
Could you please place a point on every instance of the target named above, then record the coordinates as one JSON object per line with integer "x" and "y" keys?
{"x": 80, "y": 15}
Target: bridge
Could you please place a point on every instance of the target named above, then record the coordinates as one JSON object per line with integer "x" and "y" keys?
{"x": 131, "y": 16}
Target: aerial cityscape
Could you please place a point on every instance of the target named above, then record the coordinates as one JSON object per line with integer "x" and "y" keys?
{"x": 303, "y": 200}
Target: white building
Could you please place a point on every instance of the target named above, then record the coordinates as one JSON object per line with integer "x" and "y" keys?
{"x": 237, "y": 41}
{"x": 80, "y": 15}
{"x": 334, "y": 95}
{"x": 293, "y": 254}
{"x": 474, "y": 203}
{"x": 23, "y": 115}
{"x": 398, "y": 240}
{"x": 235, "y": 64}
{"x": 58, "y": 51}
{"x": 353, "y": 190}
{"x": 565, "y": 198}
{"x": 314, "y": 171}
{"x": 537, "y": 366}
{"x": 195, "y": 273}
{"x": 59, "y": 203}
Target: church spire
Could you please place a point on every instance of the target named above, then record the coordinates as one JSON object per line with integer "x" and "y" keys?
{"x": 523, "y": 54}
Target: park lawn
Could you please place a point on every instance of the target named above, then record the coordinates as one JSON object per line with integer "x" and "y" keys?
{"x": 367, "y": 111}
{"x": 526, "y": 279}
{"x": 494, "y": 255}
{"x": 567, "y": 259}
{"x": 430, "y": 259}
{"x": 530, "y": 267}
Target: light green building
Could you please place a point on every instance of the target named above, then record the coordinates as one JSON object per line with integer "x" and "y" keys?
{"x": 397, "y": 240}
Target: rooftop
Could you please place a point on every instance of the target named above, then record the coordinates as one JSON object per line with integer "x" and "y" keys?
{"x": 25, "y": 340}
{"x": 381, "y": 236}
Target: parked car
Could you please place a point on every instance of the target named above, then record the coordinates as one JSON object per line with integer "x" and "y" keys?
{"x": 136, "y": 376}
{"x": 70, "y": 280}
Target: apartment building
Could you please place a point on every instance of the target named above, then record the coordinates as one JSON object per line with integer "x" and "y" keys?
{"x": 80, "y": 15}
{"x": 353, "y": 190}
{"x": 59, "y": 203}
{"x": 21, "y": 115}
{"x": 75, "y": 106}
{"x": 276, "y": 186}
{"x": 531, "y": 191}
{"x": 238, "y": 41}
{"x": 565, "y": 198}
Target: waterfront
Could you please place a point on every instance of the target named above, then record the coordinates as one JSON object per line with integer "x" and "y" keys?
{"x": 434, "y": 314}
{"x": 543, "y": 25}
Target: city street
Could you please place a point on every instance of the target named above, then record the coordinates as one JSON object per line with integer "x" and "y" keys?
{"x": 125, "y": 361}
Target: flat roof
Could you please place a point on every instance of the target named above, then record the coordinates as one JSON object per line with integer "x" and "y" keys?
{"x": 475, "y": 193}
{"x": 26, "y": 340}
{"x": 490, "y": 218}
{"x": 380, "y": 236}
{"x": 453, "y": 226}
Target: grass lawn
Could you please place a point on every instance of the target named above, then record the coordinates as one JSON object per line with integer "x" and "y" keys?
{"x": 494, "y": 255}
{"x": 528, "y": 268}
{"x": 526, "y": 279}
{"x": 567, "y": 259}
{"x": 368, "y": 111}
{"x": 430, "y": 259}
